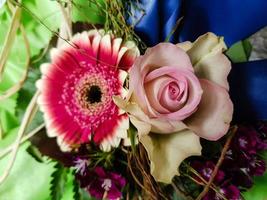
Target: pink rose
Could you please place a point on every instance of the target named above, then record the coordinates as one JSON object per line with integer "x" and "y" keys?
{"x": 180, "y": 91}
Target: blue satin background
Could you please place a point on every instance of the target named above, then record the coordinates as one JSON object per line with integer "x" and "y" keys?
{"x": 233, "y": 19}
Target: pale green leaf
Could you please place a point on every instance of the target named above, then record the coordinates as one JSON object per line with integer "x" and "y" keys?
{"x": 167, "y": 151}
{"x": 28, "y": 180}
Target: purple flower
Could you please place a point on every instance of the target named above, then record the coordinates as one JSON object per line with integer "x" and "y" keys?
{"x": 262, "y": 139}
{"x": 228, "y": 191}
{"x": 206, "y": 169}
{"x": 105, "y": 184}
{"x": 245, "y": 140}
{"x": 81, "y": 165}
{"x": 257, "y": 167}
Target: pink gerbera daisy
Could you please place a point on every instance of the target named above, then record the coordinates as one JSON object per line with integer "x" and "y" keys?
{"x": 77, "y": 87}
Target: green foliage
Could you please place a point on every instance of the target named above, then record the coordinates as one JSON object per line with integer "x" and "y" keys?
{"x": 40, "y": 18}
{"x": 88, "y": 11}
{"x": 259, "y": 189}
{"x": 63, "y": 184}
{"x": 28, "y": 180}
{"x": 240, "y": 51}
{"x": 37, "y": 17}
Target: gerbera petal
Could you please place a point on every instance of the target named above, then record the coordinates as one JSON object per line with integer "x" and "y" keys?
{"x": 166, "y": 152}
{"x": 128, "y": 58}
{"x": 120, "y": 132}
{"x": 105, "y": 51}
{"x": 214, "y": 114}
{"x": 116, "y": 45}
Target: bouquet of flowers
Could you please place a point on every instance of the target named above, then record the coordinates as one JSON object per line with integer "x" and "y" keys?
{"x": 131, "y": 99}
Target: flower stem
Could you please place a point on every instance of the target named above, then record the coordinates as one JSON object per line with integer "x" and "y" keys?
{"x": 215, "y": 171}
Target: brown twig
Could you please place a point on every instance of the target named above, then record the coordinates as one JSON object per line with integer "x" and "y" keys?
{"x": 215, "y": 171}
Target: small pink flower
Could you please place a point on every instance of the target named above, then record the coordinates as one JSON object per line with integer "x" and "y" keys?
{"x": 77, "y": 89}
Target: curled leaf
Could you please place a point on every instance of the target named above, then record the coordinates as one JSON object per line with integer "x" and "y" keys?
{"x": 166, "y": 152}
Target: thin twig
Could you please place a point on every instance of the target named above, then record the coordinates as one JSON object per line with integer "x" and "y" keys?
{"x": 12, "y": 90}
{"x": 67, "y": 19}
{"x": 9, "y": 39}
{"x": 30, "y": 112}
{"x": 24, "y": 139}
{"x": 136, "y": 179}
{"x": 215, "y": 171}
{"x": 1, "y": 131}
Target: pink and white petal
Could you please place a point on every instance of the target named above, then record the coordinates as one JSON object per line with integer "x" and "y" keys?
{"x": 128, "y": 58}
{"x": 166, "y": 152}
{"x": 116, "y": 45}
{"x": 185, "y": 45}
{"x": 204, "y": 45}
{"x": 212, "y": 119}
{"x": 214, "y": 67}
{"x": 105, "y": 50}
{"x": 120, "y": 132}
{"x": 82, "y": 41}
{"x": 63, "y": 145}
{"x": 165, "y": 54}
{"x": 95, "y": 44}
{"x": 121, "y": 52}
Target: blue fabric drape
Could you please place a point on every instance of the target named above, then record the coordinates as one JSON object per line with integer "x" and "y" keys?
{"x": 233, "y": 19}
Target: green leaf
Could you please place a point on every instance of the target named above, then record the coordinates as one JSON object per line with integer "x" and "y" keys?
{"x": 63, "y": 184}
{"x": 259, "y": 189}
{"x": 84, "y": 195}
{"x": 71, "y": 188}
{"x": 28, "y": 180}
{"x": 8, "y": 121}
{"x": 240, "y": 51}
{"x": 88, "y": 11}
{"x": 9, "y": 138}
{"x": 43, "y": 15}
{"x": 58, "y": 182}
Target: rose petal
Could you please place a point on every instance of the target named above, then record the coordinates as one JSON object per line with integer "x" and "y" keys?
{"x": 166, "y": 152}
{"x": 204, "y": 45}
{"x": 143, "y": 123}
{"x": 214, "y": 67}
{"x": 194, "y": 96}
{"x": 165, "y": 54}
{"x": 136, "y": 87}
{"x": 212, "y": 119}
{"x": 153, "y": 88}
{"x": 185, "y": 45}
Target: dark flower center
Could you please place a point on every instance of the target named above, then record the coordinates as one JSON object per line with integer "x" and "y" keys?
{"x": 94, "y": 94}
